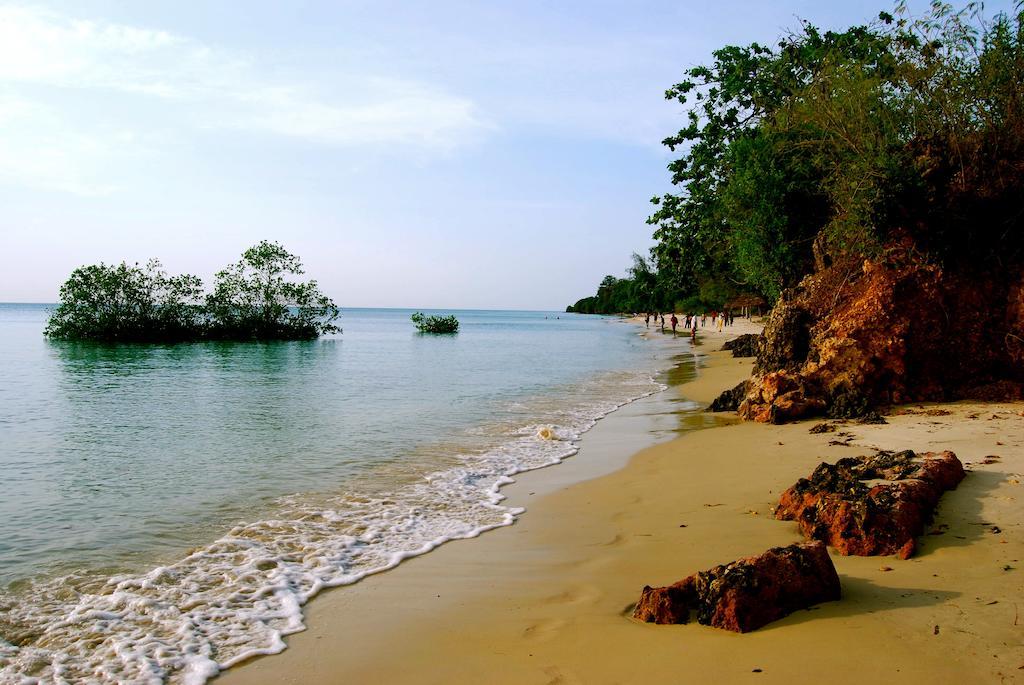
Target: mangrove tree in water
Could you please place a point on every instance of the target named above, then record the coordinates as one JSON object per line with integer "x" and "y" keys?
{"x": 255, "y": 299}
{"x": 435, "y": 324}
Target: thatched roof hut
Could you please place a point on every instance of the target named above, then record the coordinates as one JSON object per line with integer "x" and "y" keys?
{"x": 748, "y": 300}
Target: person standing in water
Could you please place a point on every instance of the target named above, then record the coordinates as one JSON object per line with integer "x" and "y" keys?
{"x": 675, "y": 322}
{"x": 647, "y": 319}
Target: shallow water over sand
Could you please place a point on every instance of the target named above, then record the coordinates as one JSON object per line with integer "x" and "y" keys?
{"x": 168, "y": 509}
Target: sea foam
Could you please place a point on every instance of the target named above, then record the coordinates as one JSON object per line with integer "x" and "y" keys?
{"x": 240, "y": 596}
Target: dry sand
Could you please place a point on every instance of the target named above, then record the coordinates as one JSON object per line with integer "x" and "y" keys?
{"x": 548, "y": 599}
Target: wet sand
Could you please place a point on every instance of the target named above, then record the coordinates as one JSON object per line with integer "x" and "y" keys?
{"x": 548, "y": 599}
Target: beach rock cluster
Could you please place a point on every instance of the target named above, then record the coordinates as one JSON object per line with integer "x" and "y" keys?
{"x": 749, "y": 593}
{"x": 730, "y": 399}
{"x": 743, "y": 346}
{"x": 779, "y": 397}
{"x": 844, "y": 505}
{"x": 785, "y": 341}
{"x": 858, "y": 335}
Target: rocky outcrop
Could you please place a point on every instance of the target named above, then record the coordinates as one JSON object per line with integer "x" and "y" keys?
{"x": 859, "y": 335}
{"x": 843, "y": 505}
{"x": 779, "y": 397}
{"x": 743, "y": 346}
{"x": 730, "y": 399}
{"x": 749, "y": 593}
{"x": 785, "y": 341}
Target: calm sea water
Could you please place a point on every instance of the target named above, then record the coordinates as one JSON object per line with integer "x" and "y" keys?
{"x": 166, "y": 510}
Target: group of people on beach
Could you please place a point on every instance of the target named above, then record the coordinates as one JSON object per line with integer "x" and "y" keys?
{"x": 689, "y": 321}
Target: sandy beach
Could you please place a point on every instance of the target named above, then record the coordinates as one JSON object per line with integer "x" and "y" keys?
{"x": 548, "y": 600}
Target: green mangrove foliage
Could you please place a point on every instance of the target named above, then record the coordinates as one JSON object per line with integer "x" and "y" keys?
{"x": 142, "y": 304}
{"x": 435, "y": 324}
{"x": 646, "y": 289}
{"x": 254, "y": 299}
{"x": 830, "y": 145}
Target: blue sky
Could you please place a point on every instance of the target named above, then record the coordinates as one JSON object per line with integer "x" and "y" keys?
{"x": 421, "y": 154}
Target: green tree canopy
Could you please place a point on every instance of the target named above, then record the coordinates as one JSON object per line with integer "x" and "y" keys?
{"x": 127, "y": 304}
{"x": 255, "y": 299}
{"x": 831, "y": 145}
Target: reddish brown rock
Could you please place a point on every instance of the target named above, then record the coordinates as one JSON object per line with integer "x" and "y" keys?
{"x": 858, "y": 335}
{"x": 666, "y": 605}
{"x": 749, "y": 593}
{"x": 838, "y": 506}
{"x": 780, "y": 396}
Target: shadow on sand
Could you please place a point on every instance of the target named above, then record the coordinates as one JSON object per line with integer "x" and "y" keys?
{"x": 862, "y": 596}
{"x": 963, "y": 524}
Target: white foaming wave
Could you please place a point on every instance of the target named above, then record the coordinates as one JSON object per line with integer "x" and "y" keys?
{"x": 241, "y": 595}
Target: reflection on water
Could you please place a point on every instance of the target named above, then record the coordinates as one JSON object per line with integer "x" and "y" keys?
{"x": 118, "y": 455}
{"x": 341, "y": 457}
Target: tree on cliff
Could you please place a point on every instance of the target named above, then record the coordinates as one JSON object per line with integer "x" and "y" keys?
{"x": 749, "y": 205}
{"x": 830, "y": 143}
{"x": 881, "y": 169}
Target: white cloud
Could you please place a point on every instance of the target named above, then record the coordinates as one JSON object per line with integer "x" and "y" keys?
{"x": 376, "y": 111}
{"x": 207, "y": 87}
{"x": 39, "y": 149}
{"x": 38, "y": 46}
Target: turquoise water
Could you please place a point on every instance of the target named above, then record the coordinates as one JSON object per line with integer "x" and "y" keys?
{"x": 182, "y": 502}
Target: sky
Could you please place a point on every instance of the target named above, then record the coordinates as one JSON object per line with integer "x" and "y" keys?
{"x": 497, "y": 155}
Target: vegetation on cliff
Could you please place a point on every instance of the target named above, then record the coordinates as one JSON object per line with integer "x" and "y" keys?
{"x": 868, "y": 183}
{"x": 253, "y": 299}
{"x": 831, "y": 146}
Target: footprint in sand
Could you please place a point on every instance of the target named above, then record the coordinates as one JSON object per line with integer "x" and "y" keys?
{"x": 619, "y": 539}
{"x": 576, "y": 596}
{"x": 559, "y": 676}
{"x": 544, "y": 629}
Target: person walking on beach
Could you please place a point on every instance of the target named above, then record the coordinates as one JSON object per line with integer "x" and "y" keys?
{"x": 721, "y": 322}
{"x": 662, "y": 322}
{"x": 647, "y": 320}
{"x": 675, "y": 322}
{"x": 704, "y": 319}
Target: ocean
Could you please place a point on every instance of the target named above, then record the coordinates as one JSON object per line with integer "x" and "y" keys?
{"x": 167, "y": 510}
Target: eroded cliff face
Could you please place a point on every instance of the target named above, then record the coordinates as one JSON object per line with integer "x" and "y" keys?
{"x": 855, "y": 336}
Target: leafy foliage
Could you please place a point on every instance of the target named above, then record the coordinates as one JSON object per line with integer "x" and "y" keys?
{"x": 832, "y": 145}
{"x": 645, "y": 290}
{"x": 252, "y": 300}
{"x": 255, "y": 299}
{"x": 435, "y": 324}
{"x": 751, "y": 201}
{"x": 127, "y": 304}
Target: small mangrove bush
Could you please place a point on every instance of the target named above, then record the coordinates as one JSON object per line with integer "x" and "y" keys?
{"x": 256, "y": 298}
{"x": 435, "y": 324}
